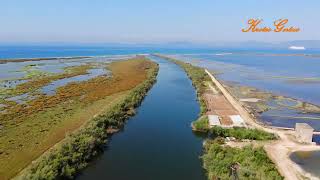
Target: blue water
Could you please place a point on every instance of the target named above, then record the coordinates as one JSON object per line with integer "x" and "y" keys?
{"x": 307, "y": 160}
{"x": 67, "y": 51}
{"x": 260, "y": 68}
{"x": 316, "y": 138}
{"x": 163, "y": 119}
{"x": 92, "y": 73}
{"x": 267, "y": 72}
{"x": 37, "y": 51}
{"x": 158, "y": 142}
{"x": 280, "y": 75}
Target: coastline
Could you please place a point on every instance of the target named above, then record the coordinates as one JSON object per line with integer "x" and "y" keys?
{"x": 3, "y": 61}
{"x": 279, "y": 150}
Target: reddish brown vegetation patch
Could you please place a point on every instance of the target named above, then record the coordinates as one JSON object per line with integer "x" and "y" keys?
{"x": 29, "y": 130}
{"x": 125, "y": 76}
{"x": 42, "y": 81}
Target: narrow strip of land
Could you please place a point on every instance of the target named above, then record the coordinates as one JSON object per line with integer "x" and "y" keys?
{"x": 279, "y": 150}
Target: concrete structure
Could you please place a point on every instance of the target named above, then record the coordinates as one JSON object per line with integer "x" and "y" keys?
{"x": 249, "y": 100}
{"x": 304, "y": 132}
{"x": 237, "y": 121}
{"x": 214, "y": 120}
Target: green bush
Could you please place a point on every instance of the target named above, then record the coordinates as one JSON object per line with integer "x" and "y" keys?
{"x": 253, "y": 162}
{"x": 241, "y": 133}
{"x": 202, "y": 124}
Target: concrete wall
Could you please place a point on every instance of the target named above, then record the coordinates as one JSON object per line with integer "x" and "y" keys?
{"x": 304, "y": 133}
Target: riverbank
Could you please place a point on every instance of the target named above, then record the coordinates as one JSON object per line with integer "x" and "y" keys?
{"x": 80, "y": 147}
{"x": 278, "y": 150}
{"x": 157, "y": 142}
{"x": 203, "y": 84}
{"x": 96, "y": 107}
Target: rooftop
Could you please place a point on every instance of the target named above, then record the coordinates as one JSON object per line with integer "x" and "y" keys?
{"x": 303, "y": 126}
{"x": 214, "y": 120}
{"x": 237, "y": 120}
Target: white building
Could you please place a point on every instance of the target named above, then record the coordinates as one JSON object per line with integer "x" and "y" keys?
{"x": 304, "y": 132}
{"x": 237, "y": 121}
{"x": 214, "y": 120}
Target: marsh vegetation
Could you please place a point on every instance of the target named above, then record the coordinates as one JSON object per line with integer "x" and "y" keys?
{"x": 253, "y": 162}
{"x": 31, "y": 128}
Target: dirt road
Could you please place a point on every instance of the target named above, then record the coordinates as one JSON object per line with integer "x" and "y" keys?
{"x": 279, "y": 150}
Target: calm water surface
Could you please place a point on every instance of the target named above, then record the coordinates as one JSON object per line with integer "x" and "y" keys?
{"x": 39, "y": 51}
{"x": 309, "y": 161}
{"x": 287, "y": 75}
{"x": 158, "y": 142}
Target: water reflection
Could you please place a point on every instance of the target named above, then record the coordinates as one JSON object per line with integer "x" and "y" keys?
{"x": 308, "y": 160}
{"x": 157, "y": 143}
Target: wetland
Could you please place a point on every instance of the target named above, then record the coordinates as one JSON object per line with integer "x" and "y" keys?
{"x": 44, "y": 100}
{"x": 158, "y": 142}
{"x": 48, "y": 106}
{"x": 280, "y": 90}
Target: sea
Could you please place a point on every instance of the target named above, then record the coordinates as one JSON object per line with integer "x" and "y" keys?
{"x": 281, "y": 71}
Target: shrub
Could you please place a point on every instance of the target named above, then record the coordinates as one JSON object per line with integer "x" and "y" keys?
{"x": 202, "y": 124}
{"x": 241, "y": 133}
{"x": 254, "y": 162}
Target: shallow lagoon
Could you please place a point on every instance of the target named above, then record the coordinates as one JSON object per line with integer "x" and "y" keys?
{"x": 92, "y": 73}
{"x": 15, "y": 73}
{"x": 295, "y": 76}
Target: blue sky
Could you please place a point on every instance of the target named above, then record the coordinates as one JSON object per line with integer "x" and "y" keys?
{"x": 152, "y": 21}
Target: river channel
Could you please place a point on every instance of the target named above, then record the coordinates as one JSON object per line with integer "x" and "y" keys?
{"x": 157, "y": 143}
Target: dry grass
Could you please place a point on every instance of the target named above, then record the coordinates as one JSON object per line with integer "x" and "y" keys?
{"x": 31, "y": 130}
